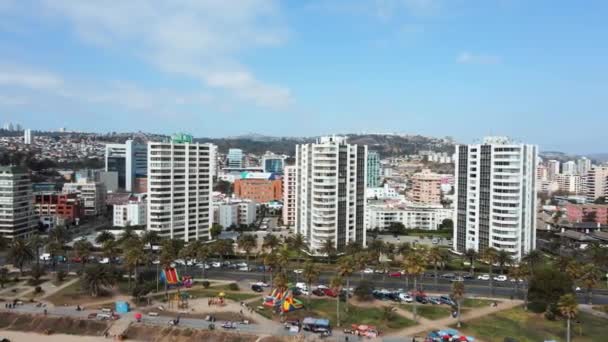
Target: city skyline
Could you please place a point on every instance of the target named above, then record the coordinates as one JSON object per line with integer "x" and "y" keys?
{"x": 280, "y": 68}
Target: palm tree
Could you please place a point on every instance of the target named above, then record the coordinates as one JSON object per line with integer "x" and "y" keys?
{"x": 202, "y": 254}
{"x": 271, "y": 261}
{"x": 458, "y": 295}
{"x": 281, "y": 281}
{"x": 297, "y": 243}
{"x": 503, "y": 258}
{"x": 127, "y": 235}
{"x": 134, "y": 255}
{"x": 83, "y": 248}
{"x": 59, "y": 234}
{"x": 104, "y": 236}
{"x": 3, "y": 277}
{"x": 597, "y": 254}
{"x": 352, "y": 248}
{"x": 36, "y": 242}
{"x": 57, "y": 239}
{"x": 110, "y": 249}
{"x": 270, "y": 242}
{"x": 361, "y": 260}
{"x": 414, "y": 265}
{"x": 336, "y": 285}
{"x": 568, "y": 307}
{"x": 471, "y": 254}
{"x": 436, "y": 257}
{"x": 19, "y": 253}
{"x": 533, "y": 259}
{"x": 490, "y": 255}
{"x": 223, "y": 247}
{"x": 97, "y": 277}
{"x": 310, "y": 274}
{"x": 283, "y": 257}
{"x": 247, "y": 242}
{"x": 346, "y": 268}
{"x": 328, "y": 248}
{"x": 376, "y": 248}
{"x": 590, "y": 278}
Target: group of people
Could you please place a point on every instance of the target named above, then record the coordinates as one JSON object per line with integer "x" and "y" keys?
{"x": 247, "y": 307}
{"x": 216, "y": 301}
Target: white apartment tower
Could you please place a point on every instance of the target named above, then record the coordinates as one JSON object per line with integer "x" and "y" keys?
{"x": 17, "y": 217}
{"x": 179, "y": 188}
{"x": 496, "y": 196}
{"x": 27, "y": 137}
{"x": 596, "y": 182}
{"x": 289, "y": 195}
{"x": 330, "y": 192}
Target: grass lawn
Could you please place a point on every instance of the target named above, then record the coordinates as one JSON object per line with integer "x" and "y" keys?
{"x": 530, "y": 327}
{"x": 429, "y": 311}
{"x": 68, "y": 295}
{"x": 476, "y": 303}
{"x": 326, "y": 308}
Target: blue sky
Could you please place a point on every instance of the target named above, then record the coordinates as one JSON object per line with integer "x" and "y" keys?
{"x": 533, "y": 70}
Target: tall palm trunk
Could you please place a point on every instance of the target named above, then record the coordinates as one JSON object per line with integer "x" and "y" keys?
{"x": 347, "y": 293}
{"x": 491, "y": 281}
{"x": 568, "y": 330}
{"x": 338, "y": 308}
{"x": 415, "y": 303}
{"x": 309, "y": 293}
{"x": 458, "y": 313}
{"x": 435, "y": 280}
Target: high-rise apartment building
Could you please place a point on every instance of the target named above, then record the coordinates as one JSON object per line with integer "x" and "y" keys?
{"x": 129, "y": 160}
{"x": 17, "y": 217}
{"x": 179, "y": 188}
{"x": 496, "y": 196}
{"x": 273, "y": 163}
{"x": 426, "y": 187}
{"x": 289, "y": 195}
{"x": 373, "y": 169}
{"x": 27, "y": 137}
{"x": 235, "y": 158}
{"x": 553, "y": 169}
{"x": 331, "y": 178}
{"x": 596, "y": 182}
{"x": 570, "y": 183}
{"x": 569, "y": 168}
{"x": 583, "y": 165}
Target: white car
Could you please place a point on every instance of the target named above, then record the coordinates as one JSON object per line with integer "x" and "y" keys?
{"x": 216, "y": 264}
{"x": 298, "y": 271}
{"x": 104, "y": 261}
{"x": 45, "y": 257}
{"x": 404, "y": 297}
{"x": 368, "y": 271}
{"x": 205, "y": 266}
{"x": 191, "y": 262}
{"x": 516, "y": 280}
{"x": 180, "y": 262}
{"x": 501, "y": 278}
{"x": 322, "y": 287}
{"x": 261, "y": 283}
{"x": 241, "y": 264}
{"x": 301, "y": 285}
{"x": 244, "y": 269}
{"x": 483, "y": 277}
{"x": 156, "y": 262}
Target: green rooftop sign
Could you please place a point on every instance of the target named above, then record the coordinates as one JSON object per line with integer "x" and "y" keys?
{"x": 181, "y": 138}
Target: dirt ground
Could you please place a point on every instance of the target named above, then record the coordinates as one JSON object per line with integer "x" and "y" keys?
{"x": 34, "y": 337}
{"x": 173, "y": 334}
{"x": 219, "y": 316}
{"x": 60, "y": 325}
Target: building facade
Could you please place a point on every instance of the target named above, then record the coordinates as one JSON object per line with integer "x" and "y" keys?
{"x": 596, "y": 183}
{"x": 373, "y": 169}
{"x": 235, "y": 158}
{"x": 27, "y": 137}
{"x": 17, "y": 216}
{"x": 426, "y": 187}
{"x": 496, "y": 197}
{"x": 179, "y": 189}
{"x": 259, "y": 187}
{"x": 234, "y": 213}
{"x": 273, "y": 163}
{"x": 569, "y": 183}
{"x": 58, "y": 207}
{"x": 597, "y": 213}
{"x": 331, "y": 177}
{"x": 91, "y": 194}
{"x": 132, "y": 213}
{"x": 289, "y": 196}
{"x": 412, "y": 216}
{"x": 129, "y": 160}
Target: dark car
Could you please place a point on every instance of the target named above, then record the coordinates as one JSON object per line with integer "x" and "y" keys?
{"x": 448, "y": 275}
{"x": 467, "y": 276}
{"x": 447, "y": 300}
{"x": 296, "y": 292}
{"x": 318, "y": 292}
{"x": 421, "y": 299}
{"x": 257, "y": 288}
{"x": 394, "y": 296}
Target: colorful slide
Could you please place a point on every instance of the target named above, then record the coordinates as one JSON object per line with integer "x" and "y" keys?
{"x": 282, "y": 300}
{"x": 170, "y": 276}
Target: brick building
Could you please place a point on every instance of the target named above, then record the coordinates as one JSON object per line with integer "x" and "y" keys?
{"x": 65, "y": 206}
{"x": 597, "y": 213}
{"x": 259, "y": 187}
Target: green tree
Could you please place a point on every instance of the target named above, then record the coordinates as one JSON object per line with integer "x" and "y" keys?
{"x": 547, "y": 284}
{"x": 271, "y": 261}
{"x": 363, "y": 292}
{"x": 215, "y": 231}
{"x": 134, "y": 254}
{"x": 590, "y": 277}
{"x": 329, "y": 249}
{"x": 36, "y": 243}
{"x": 20, "y": 253}
{"x": 36, "y": 273}
{"x": 270, "y": 242}
{"x": 281, "y": 281}
{"x": 414, "y": 265}
{"x": 346, "y": 268}
{"x": 458, "y": 295}
{"x": 336, "y": 285}
{"x": 98, "y": 277}
{"x": 223, "y": 248}
{"x": 297, "y": 243}
{"x": 4, "y": 279}
{"x": 436, "y": 256}
{"x": 472, "y": 255}
{"x": 310, "y": 274}
{"x": 352, "y": 248}
{"x": 104, "y": 236}
{"x": 83, "y": 250}
{"x": 377, "y": 248}
{"x": 490, "y": 255}
{"x": 202, "y": 254}
{"x": 568, "y": 307}
{"x": 397, "y": 228}
{"x": 534, "y": 258}
{"x": 503, "y": 258}
{"x": 247, "y": 242}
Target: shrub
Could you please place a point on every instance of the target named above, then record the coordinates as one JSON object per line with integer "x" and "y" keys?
{"x": 363, "y": 292}
{"x": 537, "y": 307}
{"x": 37, "y": 289}
{"x": 60, "y": 276}
{"x": 233, "y": 287}
{"x": 206, "y": 284}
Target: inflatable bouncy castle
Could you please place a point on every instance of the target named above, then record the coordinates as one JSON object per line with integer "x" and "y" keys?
{"x": 169, "y": 276}
{"x": 282, "y": 300}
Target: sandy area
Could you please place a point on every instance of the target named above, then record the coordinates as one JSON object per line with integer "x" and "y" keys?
{"x": 16, "y": 336}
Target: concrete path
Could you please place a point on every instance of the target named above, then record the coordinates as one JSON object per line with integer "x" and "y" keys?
{"x": 590, "y": 310}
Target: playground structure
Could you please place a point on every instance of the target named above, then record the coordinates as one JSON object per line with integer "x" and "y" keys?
{"x": 282, "y": 301}
{"x": 170, "y": 278}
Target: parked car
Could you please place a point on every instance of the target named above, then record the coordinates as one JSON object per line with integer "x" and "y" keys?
{"x": 298, "y": 271}
{"x": 457, "y": 279}
{"x": 422, "y": 299}
{"x": 241, "y": 264}
{"x": 244, "y": 269}
{"x": 467, "y": 276}
{"x": 395, "y": 274}
{"x": 104, "y": 261}
{"x": 447, "y": 300}
{"x": 45, "y": 257}
{"x": 516, "y": 280}
{"x": 501, "y": 278}
{"x": 318, "y": 292}
{"x": 406, "y": 297}
{"x": 483, "y": 277}
{"x": 448, "y": 275}
{"x": 329, "y": 292}
{"x": 257, "y": 288}
{"x": 262, "y": 284}
{"x": 216, "y": 264}
{"x": 433, "y": 300}
{"x": 368, "y": 271}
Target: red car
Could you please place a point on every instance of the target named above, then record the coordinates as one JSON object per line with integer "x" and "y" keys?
{"x": 77, "y": 260}
{"x": 395, "y": 274}
{"x": 330, "y": 293}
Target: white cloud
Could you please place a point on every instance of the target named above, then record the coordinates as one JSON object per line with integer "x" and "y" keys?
{"x": 200, "y": 39}
{"x": 466, "y": 57}
{"x": 382, "y": 9}
{"x": 13, "y": 100}
{"x": 26, "y": 78}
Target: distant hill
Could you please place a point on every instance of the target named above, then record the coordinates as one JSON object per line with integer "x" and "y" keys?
{"x": 387, "y": 145}
{"x": 601, "y": 157}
